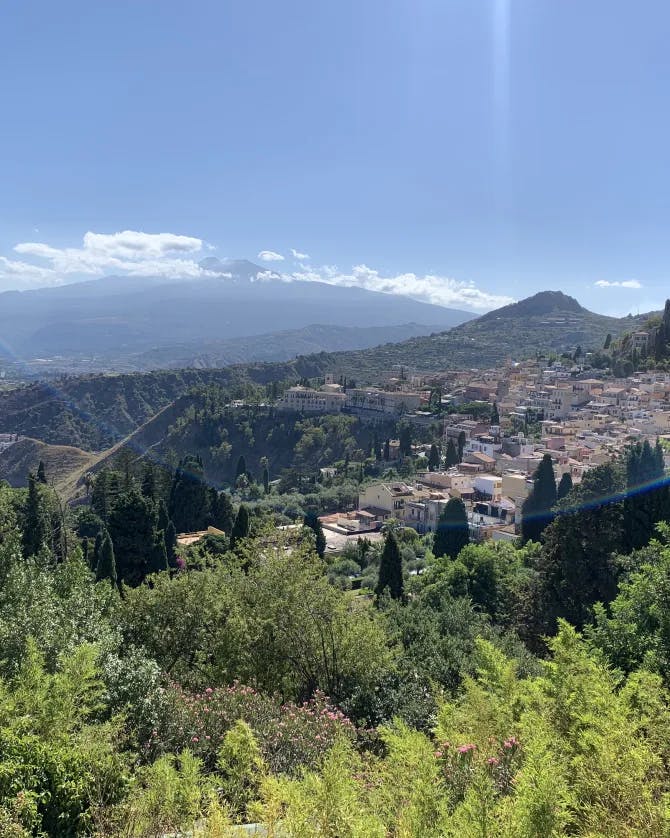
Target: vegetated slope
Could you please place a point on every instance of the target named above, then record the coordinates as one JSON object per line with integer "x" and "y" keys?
{"x": 275, "y": 346}
{"x": 60, "y": 461}
{"x": 96, "y": 411}
{"x": 115, "y": 317}
{"x": 547, "y": 322}
{"x": 201, "y": 424}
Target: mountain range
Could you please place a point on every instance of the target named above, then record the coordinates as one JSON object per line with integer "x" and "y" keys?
{"x": 119, "y": 322}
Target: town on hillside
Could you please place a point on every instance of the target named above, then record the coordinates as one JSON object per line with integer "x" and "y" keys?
{"x": 496, "y": 427}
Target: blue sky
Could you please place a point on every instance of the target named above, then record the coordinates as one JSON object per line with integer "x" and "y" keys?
{"x": 466, "y": 151}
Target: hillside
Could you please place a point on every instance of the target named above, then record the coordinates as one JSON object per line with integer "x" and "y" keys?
{"x": 96, "y": 411}
{"x": 546, "y": 322}
{"x": 274, "y": 346}
{"x": 60, "y": 461}
{"x": 109, "y": 320}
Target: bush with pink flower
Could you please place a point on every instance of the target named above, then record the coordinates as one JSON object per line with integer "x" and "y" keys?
{"x": 291, "y": 736}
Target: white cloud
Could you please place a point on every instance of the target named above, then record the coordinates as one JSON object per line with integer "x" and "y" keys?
{"x": 21, "y": 275}
{"x": 171, "y": 256}
{"x": 429, "y": 288}
{"x": 626, "y": 283}
{"x": 130, "y": 252}
{"x": 298, "y": 255}
{"x": 270, "y": 256}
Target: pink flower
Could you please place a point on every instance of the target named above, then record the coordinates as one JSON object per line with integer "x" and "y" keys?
{"x": 493, "y": 761}
{"x": 195, "y": 739}
{"x": 438, "y": 754}
{"x": 466, "y": 749}
{"x": 209, "y": 690}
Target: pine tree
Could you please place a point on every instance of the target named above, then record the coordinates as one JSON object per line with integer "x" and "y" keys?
{"x": 240, "y": 528}
{"x": 451, "y": 458}
{"x": 390, "y": 570}
{"x": 537, "y": 508}
{"x": 106, "y": 567}
{"x": 34, "y": 527}
{"x": 434, "y": 458}
{"x": 41, "y": 473}
{"x": 461, "y": 445}
{"x": 564, "y": 485}
{"x": 311, "y": 521}
{"x": 453, "y": 532}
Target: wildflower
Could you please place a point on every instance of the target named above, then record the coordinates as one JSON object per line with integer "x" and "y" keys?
{"x": 466, "y": 749}
{"x": 493, "y": 761}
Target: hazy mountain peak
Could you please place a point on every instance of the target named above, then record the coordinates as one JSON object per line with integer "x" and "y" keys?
{"x": 239, "y": 268}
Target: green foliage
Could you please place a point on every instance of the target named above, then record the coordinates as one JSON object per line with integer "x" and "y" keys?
{"x": 538, "y": 506}
{"x": 453, "y": 532}
{"x": 390, "y": 579}
{"x": 240, "y": 528}
{"x": 576, "y": 568}
{"x": 312, "y": 522}
{"x": 241, "y": 767}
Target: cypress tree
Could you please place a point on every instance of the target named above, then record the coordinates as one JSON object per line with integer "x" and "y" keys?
{"x": 433, "y": 458}
{"x": 170, "y": 536}
{"x": 495, "y": 415}
{"x": 576, "y": 567}
{"x": 387, "y": 450}
{"x": 157, "y": 560}
{"x": 100, "y": 497}
{"x": 34, "y": 528}
{"x": 95, "y": 558}
{"x": 189, "y": 497}
{"x": 405, "y": 440}
{"x": 536, "y": 511}
{"x": 222, "y": 514}
{"x": 453, "y": 532}
{"x": 241, "y": 467}
{"x": 106, "y": 567}
{"x": 266, "y": 480}
{"x": 564, "y": 485}
{"x": 132, "y": 528}
{"x": 85, "y": 547}
{"x": 461, "y": 446}
{"x": 149, "y": 482}
{"x": 647, "y": 500}
{"x": 390, "y": 570}
{"x": 452, "y": 457}
{"x": 240, "y": 527}
{"x": 41, "y": 473}
{"x": 311, "y": 521}
{"x": 163, "y": 517}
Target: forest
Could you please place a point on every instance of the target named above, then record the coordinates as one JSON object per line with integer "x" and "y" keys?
{"x": 149, "y": 688}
